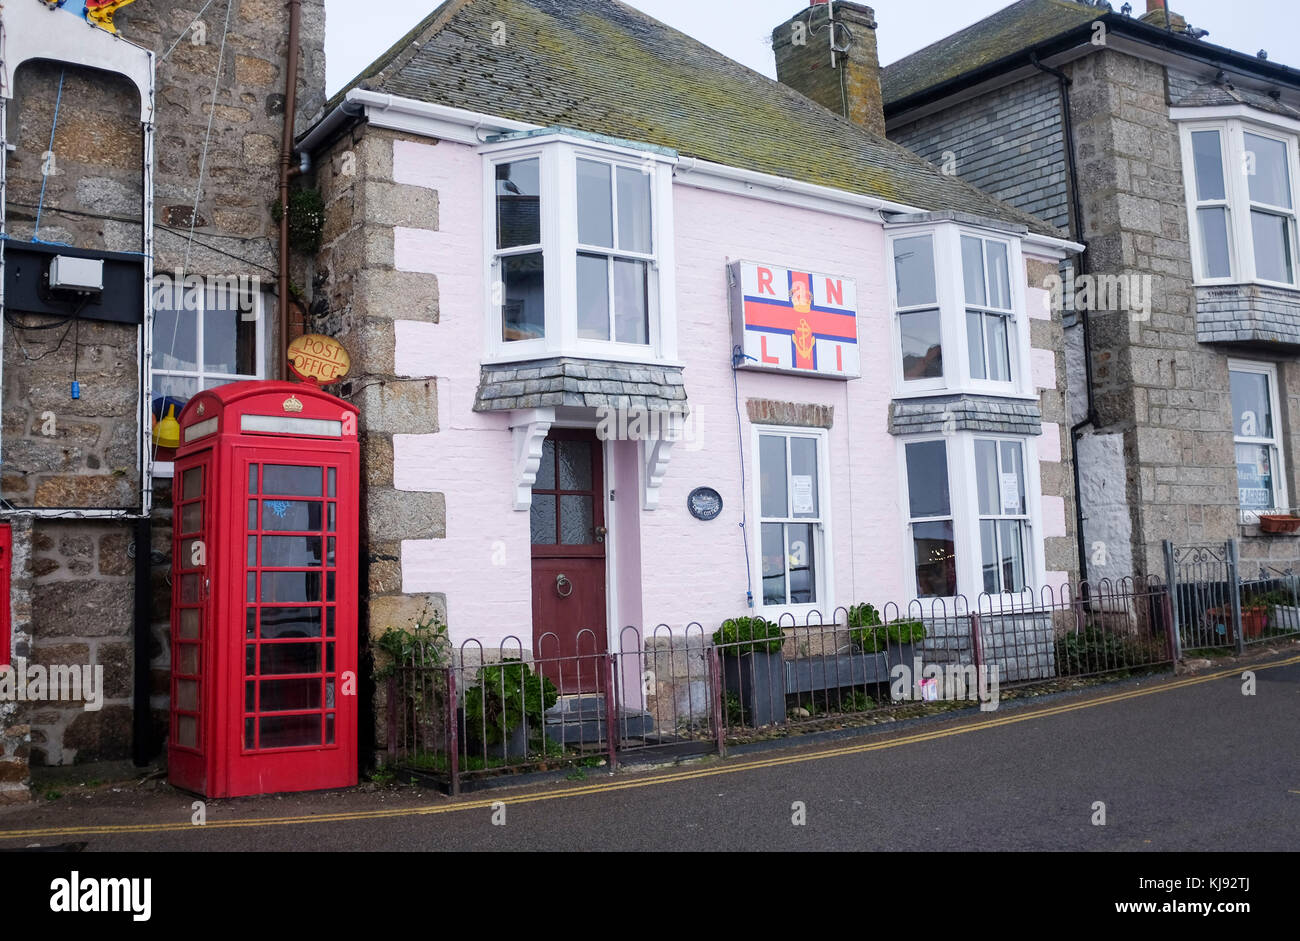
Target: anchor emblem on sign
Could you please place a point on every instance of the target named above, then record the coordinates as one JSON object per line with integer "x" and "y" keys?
{"x": 803, "y": 338}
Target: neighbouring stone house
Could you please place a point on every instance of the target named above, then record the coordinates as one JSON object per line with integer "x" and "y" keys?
{"x": 642, "y": 337}
{"x": 154, "y": 150}
{"x": 1175, "y": 161}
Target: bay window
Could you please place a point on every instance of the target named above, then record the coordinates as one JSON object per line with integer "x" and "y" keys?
{"x": 792, "y": 516}
{"x": 580, "y": 260}
{"x": 958, "y": 304}
{"x": 971, "y": 503}
{"x": 1256, "y": 438}
{"x": 1241, "y": 195}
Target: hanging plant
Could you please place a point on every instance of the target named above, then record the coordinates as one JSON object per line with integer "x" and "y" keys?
{"x": 306, "y": 219}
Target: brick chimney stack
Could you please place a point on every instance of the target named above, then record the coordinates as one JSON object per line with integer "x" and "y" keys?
{"x": 1159, "y": 15}
{"x": 851, "y": 86}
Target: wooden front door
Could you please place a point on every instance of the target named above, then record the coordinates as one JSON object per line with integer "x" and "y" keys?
{"x": 568, "y": 537}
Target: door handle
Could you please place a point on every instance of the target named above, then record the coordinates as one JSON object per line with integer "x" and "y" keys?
{"x": 600, "y": 533}
{"x": 563, "y": 587}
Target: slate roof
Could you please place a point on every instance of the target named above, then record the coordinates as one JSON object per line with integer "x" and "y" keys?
{"x": 1212, "y": 95}
{"x": 603, "y": 67}
{"x": 1020, "y": 26}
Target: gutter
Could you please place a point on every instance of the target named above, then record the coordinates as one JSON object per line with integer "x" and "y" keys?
{"x": 286, "y": 173}
{"x": 1082, "y": 267}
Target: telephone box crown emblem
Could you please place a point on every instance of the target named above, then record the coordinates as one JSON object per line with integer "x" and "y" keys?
{"x": 291, "y": 404}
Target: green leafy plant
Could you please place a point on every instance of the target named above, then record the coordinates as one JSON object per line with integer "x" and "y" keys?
{"x": 426, "y": 646}
{"x": 306, "y": 219}
{"x": 744, "y": 635}
{"x": 871, "y": 636}
{"x": 1094, "y": 649}
{"x": 504, "y": 695}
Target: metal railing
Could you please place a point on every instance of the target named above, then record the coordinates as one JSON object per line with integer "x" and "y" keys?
{"x": 1215, "y": 608}
{"x": 455, "y": 714}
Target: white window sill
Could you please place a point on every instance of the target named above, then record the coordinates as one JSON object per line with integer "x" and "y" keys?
{"x": 611, "y": 356}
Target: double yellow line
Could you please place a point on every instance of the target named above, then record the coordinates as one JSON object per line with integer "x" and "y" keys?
{"x": 487, "y": 803}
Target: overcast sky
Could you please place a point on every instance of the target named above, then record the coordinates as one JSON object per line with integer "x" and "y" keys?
{"x": 358, "y": 31}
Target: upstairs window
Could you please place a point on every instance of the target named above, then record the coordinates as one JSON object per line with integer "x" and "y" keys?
{"x": 580, "y": 259}
{"x": 204, "y": 337}
{"x": 1241, "y": 196}
{"x": 956, "y": 304}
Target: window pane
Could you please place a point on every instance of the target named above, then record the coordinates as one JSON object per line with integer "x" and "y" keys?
{"x": 178, "y": 387}
{"x": 575, "y": 465}
{"x": 1214, "y": 241}
{"x": 523, "y": 298}
{"x": 595, "y": 205}
{"x": 229, "y": 341}
{"x": 291, "y": 586}
{"x": 546, "y": 469}
{"x": 803, "y": 480}
{"x": 1254, "y": 476}
{"x": 927, "y": 479}
{"x": 972, "y": 267}
{"x": 542, "y": 519}
{"x": 802, "y": 562}
{"x": 593, "y": 297}
{"x": 175, "y": 339}
{"x": 634, "y": 210}
{"x": 914, "y": 270}
{"x": 291, "y": 479}
{"x": 936, "y": 559}
{"x": 989, "y": 555}
{"x": 1013, "y": 479}
{"x": 278, "y": 623}
{"x": 1208, "y": 159}
{"x": 518, "y": 204}
{"x": 999, "y": 356}
{"x": 291, "y": 516}
{"x": 771, "y": 473}
{"x": 1272, "y": 236}
{"x": 922, "y": 345}
{"x": 1252, "y": 412}
{"x": 999, "y": 276}
{"x": 287, "y": 551}
{"x": 774, "y": 563}
{"x": 1270, "y": 179}
{"x": 986, "y": 477}
{"x": 631, "y": 301}
{"x": 1012, "y": 556}
{"x": 577, "y": 523}
{"x": 975, "y": 341}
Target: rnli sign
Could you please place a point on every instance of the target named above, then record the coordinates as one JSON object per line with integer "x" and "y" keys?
{"x": 794, "y": 321}
{"x": 318, "y": 359}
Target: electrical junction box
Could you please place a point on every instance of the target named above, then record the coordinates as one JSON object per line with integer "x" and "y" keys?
{"x": 77, "y": 274}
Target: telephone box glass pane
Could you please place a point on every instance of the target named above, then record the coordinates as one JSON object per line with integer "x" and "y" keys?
{"x": 329, "y": 555}
{"x": 189, "y": 589}
{"x": 252, "y": 587}
{"x": 283, "y": 623}
{"x": 250, "y": 623}
{"x": 290, "y": 731}
{"x": 191, "y": 517}
{"x": 329, "y": 694}
{"x": 329, "y": 729}
{"x": 290, "y": 695}
{"x": 252, "y": 550}
{"x": 252, "y": 478}
{"x": 291, "y": 586}
{"x": 331, "y": 525}
{"x": 333, "y": 483}
{"x": 187, "y": 695}
{"x": 189, "y": 558}
{"x": 187, "y": 731}
{"x": 250, "y": 697}
{"x": 249, "y": 731}
{"x": 250, "y": 660}
{"x": 291, "y": 516}
{"x": 287, "y": 479}
{"x": 329, "y": 586}
{"x": 252, "y": 514}
{"x": 287, "y": 551}
{"x": 189, "y": 623}
{"x": 329, "y": 658}
{"x": 192, "y": 483}
{"x": 189, "y": 660}
{"x": 329, "y": 622}
{"x": 281, "y": 659}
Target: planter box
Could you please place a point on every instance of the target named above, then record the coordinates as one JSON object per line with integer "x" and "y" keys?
{"x": 1284, "y": 617}
{"x": 1278, "y": 523}
{"x": 759, "y": 680}
{"x": 807, "y": 674}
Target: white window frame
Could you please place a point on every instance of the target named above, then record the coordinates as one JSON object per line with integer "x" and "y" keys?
{"x": 964, "y": 496}
{"x": 201, "y": 375}
{"x": 558, "y": 154}
{"x": 1001, "y": 516}
{"x": 823, "y": 551}
{"x": 1241, "y": 242}
{"x": 1280, "y": 498}
{"x": 951, "y": 301}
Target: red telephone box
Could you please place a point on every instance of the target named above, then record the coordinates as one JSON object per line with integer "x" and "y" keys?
{"x": 264, "y": 592}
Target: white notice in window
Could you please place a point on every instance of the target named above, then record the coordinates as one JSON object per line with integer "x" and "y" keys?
{"x": 801, "y": 494}
{"x": 1010, "y": 493}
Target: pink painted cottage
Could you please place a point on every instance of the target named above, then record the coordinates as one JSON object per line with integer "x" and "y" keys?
{"x": 643, "y": 337}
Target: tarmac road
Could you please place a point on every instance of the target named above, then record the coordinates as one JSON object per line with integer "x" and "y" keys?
{"x": 1187, "y": 763}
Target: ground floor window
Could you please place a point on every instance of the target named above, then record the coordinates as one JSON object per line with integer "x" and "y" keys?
{"x": 1256, "y": 436}
{"x": 792, "y": 511}
{"x": 970, "y": 515}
